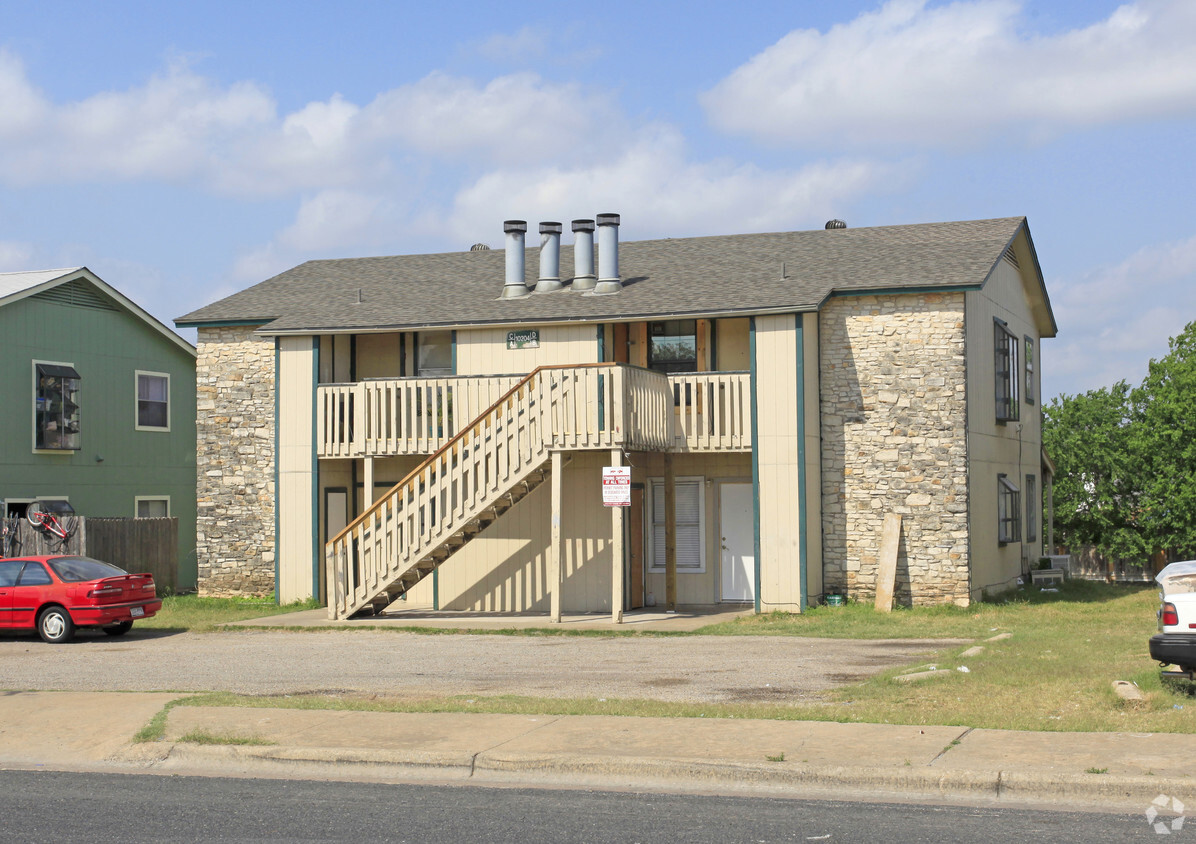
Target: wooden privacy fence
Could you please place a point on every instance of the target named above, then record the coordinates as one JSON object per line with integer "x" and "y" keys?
{"x": 136, "y": 545}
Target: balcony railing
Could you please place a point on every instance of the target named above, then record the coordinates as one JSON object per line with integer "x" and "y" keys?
{"x": 635, "y": 407}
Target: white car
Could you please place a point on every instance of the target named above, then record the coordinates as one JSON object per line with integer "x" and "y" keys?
{"x": 1175, "y": 643}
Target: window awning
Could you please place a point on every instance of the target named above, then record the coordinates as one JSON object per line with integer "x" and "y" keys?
{"x": 57, "y": 370}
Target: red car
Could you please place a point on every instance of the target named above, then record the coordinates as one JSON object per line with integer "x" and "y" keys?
{"x": 59, "y": 593}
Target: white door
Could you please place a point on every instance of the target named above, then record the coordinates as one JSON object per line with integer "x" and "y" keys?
{"x": 738, "y": 544}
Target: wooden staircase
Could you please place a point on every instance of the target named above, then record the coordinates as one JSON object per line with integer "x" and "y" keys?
{"x": 484, "y": 470}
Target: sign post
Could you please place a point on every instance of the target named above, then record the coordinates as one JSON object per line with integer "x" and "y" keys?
{"x": 616, "y": 486}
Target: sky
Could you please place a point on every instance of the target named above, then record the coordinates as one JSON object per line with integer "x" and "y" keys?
{"x": 185, "y": 151}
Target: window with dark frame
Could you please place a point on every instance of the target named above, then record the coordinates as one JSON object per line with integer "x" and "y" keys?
{"x": 1009, "y": 527}
{"x": 1031, "y": 508}
{"x": 1031, "y": 392}
{"x": 56, "y": 407}
{"x": 1005, "y": 370}
{"x": 673, "y": 345}
{"x": 434, "y": 354}
{"x": 153, "y": 401}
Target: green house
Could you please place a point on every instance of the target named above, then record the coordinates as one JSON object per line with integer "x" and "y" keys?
{"x": 99, "y": 406}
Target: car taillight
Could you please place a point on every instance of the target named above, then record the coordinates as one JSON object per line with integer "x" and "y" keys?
{"x": 1169, "y": 616}
{"x": 104, "y": 590}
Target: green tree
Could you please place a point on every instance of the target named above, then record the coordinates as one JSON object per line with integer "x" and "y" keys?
{"x": 1164, "y": 443}
{"x": 1097, "y": 487}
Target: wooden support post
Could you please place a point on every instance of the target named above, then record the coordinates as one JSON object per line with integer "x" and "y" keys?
{"x": 670, "y": 534}
{"x": 555, "y": 549}
{"x": 616, "y": 551}
{"x": 886, "y": 571}
{"x": 367, "y": 498}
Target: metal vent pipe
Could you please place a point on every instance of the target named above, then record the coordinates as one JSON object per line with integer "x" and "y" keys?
{"x": 550, "y": 258}
{"x": 609, "y": 280}
{"x": 583, "y": 255}
{"x": 514, "y": 287}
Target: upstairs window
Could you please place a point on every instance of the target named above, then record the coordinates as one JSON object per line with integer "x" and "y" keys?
{"x": 1009, "y": 526}
{"x": 673, "y": 345}
{"x": 55, "y": 406}
{"x": 435, "y": 349}
{"x": 1005, "y": 369}
{"x": 153, "y": 401}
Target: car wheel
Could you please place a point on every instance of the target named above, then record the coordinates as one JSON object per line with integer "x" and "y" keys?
{"x": 119, "y": 629}
{"x": 54, "y": 625}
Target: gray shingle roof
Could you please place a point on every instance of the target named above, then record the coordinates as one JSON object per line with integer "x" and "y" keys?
{"x": 700, "y": 275}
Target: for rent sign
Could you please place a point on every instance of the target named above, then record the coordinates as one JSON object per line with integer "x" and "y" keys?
{"x": 616, "y": 486}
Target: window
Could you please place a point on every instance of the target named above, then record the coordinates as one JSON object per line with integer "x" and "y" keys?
{"x": 1009, "y": 527}
{"x": 673, "y": 345}
{"x": 1031, "y": 508}
{"x": 435, "y": 352}
{"x": 1005, "y": 366}
{"x": 55, "y": 406}
{"x": 34, "y": 574}
{"x": 153, "y": 401}
{"x": 690, "y": 518}
{"x": 152, "y": 506}
{"x": 1030, "y": 391}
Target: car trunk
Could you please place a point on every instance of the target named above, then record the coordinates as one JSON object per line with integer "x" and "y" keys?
{"x": 122, "y": 589}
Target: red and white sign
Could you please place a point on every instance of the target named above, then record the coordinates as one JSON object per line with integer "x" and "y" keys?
{"x": 616, "y": 486}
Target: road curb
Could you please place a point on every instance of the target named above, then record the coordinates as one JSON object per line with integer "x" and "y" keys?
{"x": 620, "y": 773}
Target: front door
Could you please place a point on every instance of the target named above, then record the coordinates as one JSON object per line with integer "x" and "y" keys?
{"x": 738, "y": 542}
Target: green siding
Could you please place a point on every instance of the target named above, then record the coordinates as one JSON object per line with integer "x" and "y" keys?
{"x": 107, "y": 348}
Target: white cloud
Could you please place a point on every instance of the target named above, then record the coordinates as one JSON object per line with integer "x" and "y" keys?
{"x": 963, "y": 73}
{"x": 530, "y": 42}
{"x": 660, "y": 191}
{"x": 180, "y": 127}
{"x": 513, "y": 119}
{"x": 177, "y": 125}
{"x": 1105, "y": 335}
{"x": 15, "y": 257}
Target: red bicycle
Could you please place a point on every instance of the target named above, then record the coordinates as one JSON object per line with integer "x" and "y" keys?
{"x": 54, "y": 517}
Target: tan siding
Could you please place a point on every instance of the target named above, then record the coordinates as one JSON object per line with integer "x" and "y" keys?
{"x": 813, "y": 537}
{"x": 295, "y": 480}
{"x": 484, "y": 351}
{"x": 780, "y": 539}
{"x": 733, "y": 345}
{"x": 378, "y": 356}
{"x": 1012, "y": 448}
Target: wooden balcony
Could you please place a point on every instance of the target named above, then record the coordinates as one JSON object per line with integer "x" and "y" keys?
{"x": 607, "y": 405}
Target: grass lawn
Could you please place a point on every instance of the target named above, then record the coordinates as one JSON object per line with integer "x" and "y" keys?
{"x": 203, "y": 615}
{"x": 1054, "y": 672}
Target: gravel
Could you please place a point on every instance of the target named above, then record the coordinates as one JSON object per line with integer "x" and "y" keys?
{"x": 693, "y": 669}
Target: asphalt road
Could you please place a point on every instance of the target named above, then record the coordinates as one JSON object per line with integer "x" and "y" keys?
{"x": 47, "y": 806}
{"x": 700, "y": 669}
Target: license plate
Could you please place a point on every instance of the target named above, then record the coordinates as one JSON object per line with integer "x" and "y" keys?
{"x": 137, "y": 612}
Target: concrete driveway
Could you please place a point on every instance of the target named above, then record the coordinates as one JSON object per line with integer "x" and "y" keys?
{"x": 699, "y": 669}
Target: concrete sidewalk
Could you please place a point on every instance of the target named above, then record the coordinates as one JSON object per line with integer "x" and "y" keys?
{"x": 93, "y": 731}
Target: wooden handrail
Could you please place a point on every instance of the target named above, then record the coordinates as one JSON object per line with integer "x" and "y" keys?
{"x": 456, "y": 439}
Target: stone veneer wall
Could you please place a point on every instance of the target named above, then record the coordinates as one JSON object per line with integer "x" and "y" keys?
{"x": 234, "y": 378}
{"x": 894, "y": 440}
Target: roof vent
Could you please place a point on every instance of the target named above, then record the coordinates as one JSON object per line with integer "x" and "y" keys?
{"x": 583, "y": 255}
{"x": 514, "y": 287}
{"x": 609, "y": 280}
{"x": 550, "y": 258}
{"x": 835, "y": 224}
{"x": 479, "y": 247}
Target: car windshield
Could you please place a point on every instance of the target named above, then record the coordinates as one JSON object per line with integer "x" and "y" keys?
{"x": 79, "y": 569}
